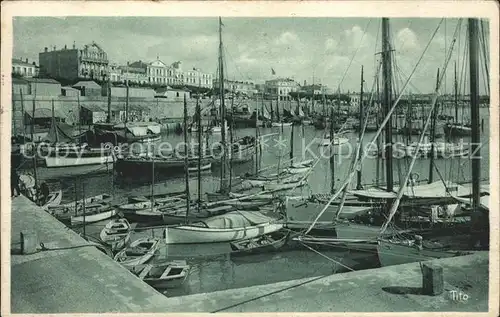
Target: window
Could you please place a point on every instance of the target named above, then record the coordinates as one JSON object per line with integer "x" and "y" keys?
{"x": 177, "y": 94}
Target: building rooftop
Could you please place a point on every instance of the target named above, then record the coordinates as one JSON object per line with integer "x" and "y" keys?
{"x": 94, "y": 108}
{"x": 43, "y": 80}
{"x": 137, "y": 64}
{"x": 44, "y": 113}
{"x": 87, "y": 84}
{"x": 19, "y": 61}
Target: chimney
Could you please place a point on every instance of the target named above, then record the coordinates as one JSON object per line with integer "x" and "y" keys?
{"x": 74, "y": 45}
{"x": 26, "y": 61}
{"x": 54, "y": 47}
{"x": 65, "y": 47}
{"x": 46, "y": 49}
{"x": 305, "y": 83}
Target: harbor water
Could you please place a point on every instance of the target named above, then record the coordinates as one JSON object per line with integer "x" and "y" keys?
{"x": 212, "y": 268}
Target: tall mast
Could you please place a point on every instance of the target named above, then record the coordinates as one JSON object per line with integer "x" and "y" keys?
{"x": 377, "y": 172}
{"x": 200, "y": 129}
{"x": 433, "y": 133}
{"x": 387, "y": 77}
{"x": 231, "y": 141}
{"x": 257, "y": 137}
{"x": 361, "y": 125}
{"x": 23, "y": 115}
{"x": 186, "y": 161}
{"x": 332, "y": 154}
{"x": 33, "y": 141}
{"x": 456, "y": 94}
{"x": 152, "y": 179}
{"x": 126, "y": 101}
{"x": 54, "y": 121}
{"x": 109, "y": 100}
{"x": 474, "y": 111}
{"x": 223, "y": 184}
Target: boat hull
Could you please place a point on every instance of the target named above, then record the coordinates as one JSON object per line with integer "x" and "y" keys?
{"x": 393, "y": 254}
{"x": 54, "y": 162}
{"x": 192, "y": 234}
{"x": 93, "y": 218}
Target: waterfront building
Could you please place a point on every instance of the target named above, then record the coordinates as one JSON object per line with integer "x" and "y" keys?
{"x": 90, "y": 114}
{"x": 135, "y": 72}
{"x": 170, "y": 93}
{"x": 70, "y": 92}
{"x": 24, "y": 68}
{"x": 88, "y": 88}
{"x": 177, "y": 75}
{"x": 156, "y": 72}
{"x": 281, "y": 88}
{"x": 115, "y": 73}
{"x": 36, "y": 86}
{"x": 88, "y": 62}
{"x": 246, "y": 88}
{"x": 195, "y": 77}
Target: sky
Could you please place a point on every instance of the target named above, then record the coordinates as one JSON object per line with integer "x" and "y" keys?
{"x": 330, "y": 51}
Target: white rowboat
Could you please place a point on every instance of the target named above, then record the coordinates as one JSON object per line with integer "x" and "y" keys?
{"x": 138, "y": 252}
{"x": 235, "y": 225}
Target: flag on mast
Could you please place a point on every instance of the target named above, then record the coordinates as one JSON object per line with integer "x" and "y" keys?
{"x": 272, "y": 71}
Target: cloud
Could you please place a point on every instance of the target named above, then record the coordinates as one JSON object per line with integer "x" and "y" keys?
{"x": 406, "y": 41}
{"x": 330, "y": 45}
{"x": 287, "y": 39}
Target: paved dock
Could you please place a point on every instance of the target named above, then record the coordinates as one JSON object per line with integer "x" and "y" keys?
{"x": 390, "y": 289}
{"x": 85, "y": 280}
{"x": 73, "y": 280}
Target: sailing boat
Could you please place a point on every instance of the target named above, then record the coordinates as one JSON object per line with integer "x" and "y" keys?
{"x": 455, "y": 128}
{"x": 398, "y": 250}
{"x": 61, "y": 151}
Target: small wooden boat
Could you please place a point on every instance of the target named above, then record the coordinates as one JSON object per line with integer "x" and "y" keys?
{"x": 265, "y": 243}
{"x": 94, "y": 213}
{"x": 277, "y": 186}
{"x": 54, "y": 199}
{"x": 337, "y": 140}
{"x": 138, "y": 252}
{"x": 170, "y": 274}
{"x": 202, "y": 168}
{"x": 281, "y": 124}
{"x": 116, "y": 233}
{"x": 305, "y": 163}
{"x": 163, "y": 197}
{"x": 451, "y": 129}
{"x": 70, "y": 207}
{"x": 232, "y": 226}
{"x": 297, "y": 170}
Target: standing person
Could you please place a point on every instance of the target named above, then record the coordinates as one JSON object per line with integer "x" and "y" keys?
{"x": 14, "y": 183}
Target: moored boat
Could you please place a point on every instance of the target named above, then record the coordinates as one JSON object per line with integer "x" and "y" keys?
{"x": 138, "y": 252}
{"x": 225, "y": 228}
{"x": 281, "y": 124}
{"x": 265, "y": 243}
{"x": 116, "y": 233}
{"x": 203, "y": 168}
{"x": 93, "y": 213}
{"x": 169, "y": 274}
{"x": 70, "y": 207}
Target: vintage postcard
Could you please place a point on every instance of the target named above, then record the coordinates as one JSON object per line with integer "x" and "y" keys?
{"x": 306, "y": 157}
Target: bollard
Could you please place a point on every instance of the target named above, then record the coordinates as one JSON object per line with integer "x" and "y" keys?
{"x": 29, "y": 242}
{"x": 432, "y": 279}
